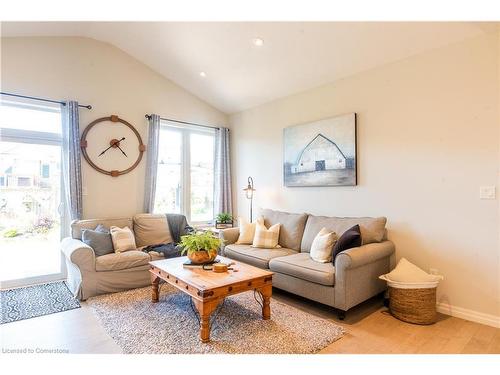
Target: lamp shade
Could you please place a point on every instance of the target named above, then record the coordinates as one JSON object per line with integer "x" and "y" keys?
{"x": 249, "y": 189}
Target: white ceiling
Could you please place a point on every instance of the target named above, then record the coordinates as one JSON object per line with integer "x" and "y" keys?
{"x": 295, "y": 56}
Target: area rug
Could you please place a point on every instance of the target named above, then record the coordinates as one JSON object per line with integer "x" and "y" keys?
{"x": 37, "y": 300}
{"x": 170, "y": 326}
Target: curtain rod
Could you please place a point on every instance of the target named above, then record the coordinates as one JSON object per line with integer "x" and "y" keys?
{"x": 43, "y": 100}
{"x": 185, "y": 122}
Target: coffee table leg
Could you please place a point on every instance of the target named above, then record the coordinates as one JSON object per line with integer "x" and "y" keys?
{"x": 155, "y": 295}
{"x": 205, "y": 309}
{"x": 266, "y": 292}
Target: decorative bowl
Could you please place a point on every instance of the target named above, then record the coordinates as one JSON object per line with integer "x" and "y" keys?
{"x": 201, "y": 257}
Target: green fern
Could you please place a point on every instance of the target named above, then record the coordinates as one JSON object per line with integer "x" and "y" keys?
{"x": 200, "y": 241}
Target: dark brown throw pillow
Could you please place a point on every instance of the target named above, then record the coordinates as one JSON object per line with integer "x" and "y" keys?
{"x": 351, "y": 238}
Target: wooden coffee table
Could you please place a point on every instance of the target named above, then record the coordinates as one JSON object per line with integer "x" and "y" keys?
{"x": 208, "y": 289}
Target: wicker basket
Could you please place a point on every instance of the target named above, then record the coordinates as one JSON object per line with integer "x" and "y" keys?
{"x": 416, "y": 306}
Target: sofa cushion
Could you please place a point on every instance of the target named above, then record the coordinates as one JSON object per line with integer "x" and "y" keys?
{"x": 372, "y": 229}
{"x": 98, "y": 239}
{"x": 78, "y": 225}
{"x": 254, "y": 256}
{"x": 247, "y": 231}
{"x": 123, "y": 239}
{"x": 322, "y": 246}
{"x": 121, "y": 261}
{"x": 351, "y": 238}
{"x": 303, "y": 267}
{"x": 266, "y": 238}
{"x": 150, "y": 229}
{"x": 292, "y": 227}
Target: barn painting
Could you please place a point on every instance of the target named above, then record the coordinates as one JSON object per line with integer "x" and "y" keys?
{"x": 321, "y": 153}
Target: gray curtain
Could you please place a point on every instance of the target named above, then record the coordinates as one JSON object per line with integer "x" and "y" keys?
{"x": 222, "y": 178}
{"x": 151, "y": 163}
{"x": 71, "y": 161}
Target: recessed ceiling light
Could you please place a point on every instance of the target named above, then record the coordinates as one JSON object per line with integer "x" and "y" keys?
{"x": 258, "y": 42}
{"x": 203, "y": 74}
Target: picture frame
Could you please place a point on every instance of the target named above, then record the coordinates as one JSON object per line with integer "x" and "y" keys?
{"x": 321, "y": 153}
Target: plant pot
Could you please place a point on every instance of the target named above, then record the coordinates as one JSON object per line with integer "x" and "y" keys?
{"x": 201, "y": 257}
{"x": 223, "y": 224}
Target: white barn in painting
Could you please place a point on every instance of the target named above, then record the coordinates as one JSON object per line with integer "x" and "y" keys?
{"x": 319, "y": 155}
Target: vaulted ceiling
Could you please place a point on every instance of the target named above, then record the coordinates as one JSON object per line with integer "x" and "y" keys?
{"x": 295, "y": 56}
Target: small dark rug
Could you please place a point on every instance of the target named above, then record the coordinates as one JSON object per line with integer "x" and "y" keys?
{"x": 37, "y": 300}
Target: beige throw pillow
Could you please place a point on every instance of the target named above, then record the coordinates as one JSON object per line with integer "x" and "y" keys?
{"x": 322, "y": 246}
{"x": 123, "y": 239}
{"x": 247, "y": 232}
{"x": 266, "y": 238}
{"x": 151, "y": 229}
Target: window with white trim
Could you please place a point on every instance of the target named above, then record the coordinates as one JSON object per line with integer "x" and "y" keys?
{"x": 185, "y": 176}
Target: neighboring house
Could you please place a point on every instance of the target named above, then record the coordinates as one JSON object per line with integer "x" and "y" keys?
{"x": 27, "y": 173}
{"x": 319, "y": 155}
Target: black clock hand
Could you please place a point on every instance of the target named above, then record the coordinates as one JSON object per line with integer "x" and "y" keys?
{"x": 123, "y": 152}
{"x": 114, "y": 143}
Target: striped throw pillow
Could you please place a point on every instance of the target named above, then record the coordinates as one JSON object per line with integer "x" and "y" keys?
{"x": 266, "y": 238}
{"x": 123, "y": 239}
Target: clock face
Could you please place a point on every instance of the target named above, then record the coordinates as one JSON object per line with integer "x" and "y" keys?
{"x": 112, "y": 147}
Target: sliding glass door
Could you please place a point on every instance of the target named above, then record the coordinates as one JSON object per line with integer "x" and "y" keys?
{"x": 31, "y": 209}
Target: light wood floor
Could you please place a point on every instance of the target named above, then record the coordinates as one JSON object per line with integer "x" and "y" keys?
{"x": 370, "y": 329}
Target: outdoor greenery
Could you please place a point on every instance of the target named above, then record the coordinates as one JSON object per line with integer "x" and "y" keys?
{"x": 200, "y": 241}
{"x": 224, "y": 217}
{"x": 9, "y": 233}
{"x": 42, "y": 226}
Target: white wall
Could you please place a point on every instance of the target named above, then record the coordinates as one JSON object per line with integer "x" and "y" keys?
{"x": 112, "y": 82}
{"x": 428, "y": 138}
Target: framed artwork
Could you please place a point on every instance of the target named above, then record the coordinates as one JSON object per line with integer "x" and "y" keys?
{"x": 321, "y": 153}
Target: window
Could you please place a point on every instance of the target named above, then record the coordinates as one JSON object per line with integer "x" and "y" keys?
{"x": 185, "y": 178}
{"x": 24, "y": 181}
{"x": 45, "y": 172}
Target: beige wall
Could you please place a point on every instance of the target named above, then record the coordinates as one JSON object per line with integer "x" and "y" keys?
{"x": 428, "y": 138}
{"x": 113, "y": 83}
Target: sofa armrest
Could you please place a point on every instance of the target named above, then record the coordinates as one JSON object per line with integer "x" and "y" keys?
{"x": 359, "y": 256}
{"x": 79, "y": 253}
{"x": 229, "y": 235}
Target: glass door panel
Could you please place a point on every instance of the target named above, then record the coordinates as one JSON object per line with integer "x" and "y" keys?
{"x": 30, "y": 196}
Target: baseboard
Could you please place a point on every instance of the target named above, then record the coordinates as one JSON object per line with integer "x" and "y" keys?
{"x": 474, "y": 316}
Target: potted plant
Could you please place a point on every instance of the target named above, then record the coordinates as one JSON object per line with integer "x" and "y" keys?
{"x": 224, "y": 220}
{"x": 201, "y": 247}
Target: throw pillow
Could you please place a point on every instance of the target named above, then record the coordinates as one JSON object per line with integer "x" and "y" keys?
{"x": 247, "y": 231}
{"x": 351, "y": 238}
{"x": 123, "y": 239}
{"x": 322, "y": 246}
{"x": 151, "y": 229}
{"x": 266, "y": 238}
{"x": 98, "y": 239}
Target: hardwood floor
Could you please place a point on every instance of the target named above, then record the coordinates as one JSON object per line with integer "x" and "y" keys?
{"x": 370, "y": 330}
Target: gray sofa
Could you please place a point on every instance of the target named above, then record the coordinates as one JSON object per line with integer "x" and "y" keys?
{"x": 90, "y": 275}
{"x": 352, "y": 279}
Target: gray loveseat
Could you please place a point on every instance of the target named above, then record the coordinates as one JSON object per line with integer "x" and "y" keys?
{"x": 352, "y": 279}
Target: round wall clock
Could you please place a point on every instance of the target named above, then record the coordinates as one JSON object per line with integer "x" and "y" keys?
{"x": 112, "y": 146}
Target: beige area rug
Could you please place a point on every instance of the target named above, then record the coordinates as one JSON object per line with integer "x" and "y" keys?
{"x": 170, "y": 326}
